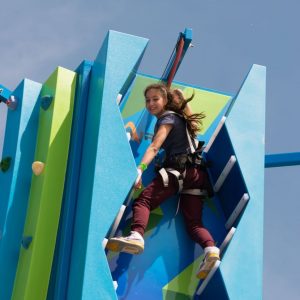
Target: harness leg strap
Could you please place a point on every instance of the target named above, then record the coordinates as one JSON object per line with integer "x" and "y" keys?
{"x": 165, "y": 177}
{"x": 179, "y": 178}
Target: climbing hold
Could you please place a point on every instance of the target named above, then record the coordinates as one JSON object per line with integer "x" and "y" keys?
{"x": 119, "y": 98}
{"x": 38, "y": 167}
{"x": 26, "y": 241}
{"x": 46, "y": 101}
{"x": 5, "y": 164}
{"x": 115, "y": 283}
{"x": 12, "y": 102}
{"x": 130, "y": 127}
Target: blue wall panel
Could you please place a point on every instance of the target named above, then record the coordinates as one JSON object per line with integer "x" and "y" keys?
{"x": 19, "y": 144}
{"x": 61, "y": 265}
{"x": 108, "y": 168}
{"x": 242, "y": 264}
{"x": 234, "y": 186}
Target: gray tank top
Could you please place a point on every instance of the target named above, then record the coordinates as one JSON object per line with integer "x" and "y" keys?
{"x": 176, "y": 141}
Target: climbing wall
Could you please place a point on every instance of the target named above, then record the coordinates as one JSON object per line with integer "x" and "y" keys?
{"x": 87, "y": 130}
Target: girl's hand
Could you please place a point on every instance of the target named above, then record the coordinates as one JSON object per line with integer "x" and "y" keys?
{"x": 138, "y": 181}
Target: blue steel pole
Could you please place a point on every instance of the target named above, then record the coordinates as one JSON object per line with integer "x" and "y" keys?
{"x": 282, "y": 159}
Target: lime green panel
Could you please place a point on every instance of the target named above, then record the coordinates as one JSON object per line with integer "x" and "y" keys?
{"x": 46, "y": 191}
{"x": 136, "y": 101}
{"x": 185, "y": 284}
{"x": 209, "y": 102}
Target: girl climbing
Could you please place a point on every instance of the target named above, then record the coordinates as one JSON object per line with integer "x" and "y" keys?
{"x": 182, "y": 172}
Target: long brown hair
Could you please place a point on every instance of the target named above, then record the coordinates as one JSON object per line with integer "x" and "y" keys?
{"x": 193, "y": 121}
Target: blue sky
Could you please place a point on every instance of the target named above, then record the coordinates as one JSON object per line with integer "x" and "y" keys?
{"x": 229, "y": 36}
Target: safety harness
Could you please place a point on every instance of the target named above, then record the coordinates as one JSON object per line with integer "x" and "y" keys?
{"x": 176, "y": 165}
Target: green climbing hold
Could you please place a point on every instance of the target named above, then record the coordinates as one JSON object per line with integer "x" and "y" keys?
{"x": 5, "y": 164}
{"x": 26, "y": 241}
{"x": 46, "y": 101}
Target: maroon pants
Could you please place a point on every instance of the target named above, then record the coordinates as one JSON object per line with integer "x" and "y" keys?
{"x": 191, "y": 206}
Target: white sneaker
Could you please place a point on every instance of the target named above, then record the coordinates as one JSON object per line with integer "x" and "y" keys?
{"x": 133, "y": 244}
{"x": 211, "y": 255}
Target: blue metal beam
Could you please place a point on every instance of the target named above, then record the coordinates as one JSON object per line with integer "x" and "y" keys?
{"x": 282, "y": 159}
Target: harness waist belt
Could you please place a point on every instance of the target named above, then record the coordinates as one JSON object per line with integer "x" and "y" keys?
{"x": 195, "y": 192}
